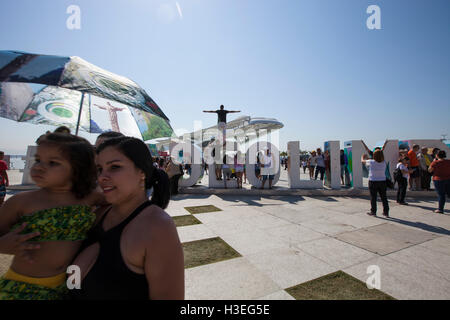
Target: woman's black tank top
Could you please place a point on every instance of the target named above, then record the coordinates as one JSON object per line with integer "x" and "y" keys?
{"x": 109, "y": 277}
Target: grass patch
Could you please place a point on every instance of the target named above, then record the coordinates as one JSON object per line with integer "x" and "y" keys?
{"x": 200, "y": 252}
{"x": 336, "y": 286}
{"x": 202, "y": 209}
{"x": 187, "y": 220}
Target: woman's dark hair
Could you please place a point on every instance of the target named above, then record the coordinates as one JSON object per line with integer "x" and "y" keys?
{"x": 378, "y": 156}
{"x": 441, "y": 154}
{"x": 136, "y": 150}
{"x": 110, "y": 134}
{"x": 80, "y": 153}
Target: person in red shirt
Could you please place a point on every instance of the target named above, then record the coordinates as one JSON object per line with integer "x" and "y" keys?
{"x": 4, "y": 180}
{"x": 440, "y": 168}
{"x": 414, "y": 178}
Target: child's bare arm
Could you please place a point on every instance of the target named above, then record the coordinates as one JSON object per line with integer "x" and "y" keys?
{"x": 10, "y": 213}
{"x": 12, "y": 242}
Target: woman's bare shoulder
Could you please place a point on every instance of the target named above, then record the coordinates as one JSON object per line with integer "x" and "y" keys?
{"x": 154, "y": 223}
{"x": 156, "y": 216}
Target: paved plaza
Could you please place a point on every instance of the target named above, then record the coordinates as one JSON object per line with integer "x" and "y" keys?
{"x": 284, "y": 241}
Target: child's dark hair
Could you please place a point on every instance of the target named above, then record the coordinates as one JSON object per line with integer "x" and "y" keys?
{"x": 80, "y": 153}
{"x": 62, "y": 129}
{"x": 136, "y": 150}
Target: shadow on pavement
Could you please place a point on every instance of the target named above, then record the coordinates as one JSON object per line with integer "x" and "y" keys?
{"x": 420, "y": 225}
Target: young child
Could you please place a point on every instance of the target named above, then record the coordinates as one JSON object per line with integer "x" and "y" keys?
{"x": 53, "y": 219}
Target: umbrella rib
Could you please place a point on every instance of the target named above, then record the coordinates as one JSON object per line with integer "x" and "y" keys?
{"x": 15, "y": 65}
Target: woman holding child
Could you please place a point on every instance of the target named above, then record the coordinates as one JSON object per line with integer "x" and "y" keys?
{"x": 131, "y": 249}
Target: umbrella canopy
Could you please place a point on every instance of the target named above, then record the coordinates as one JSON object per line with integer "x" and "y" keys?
{"x": 44, "y": 89}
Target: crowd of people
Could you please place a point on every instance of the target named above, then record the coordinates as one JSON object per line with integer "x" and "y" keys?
{"x": 417, "y": 166}
{"x": 318, "y": 165}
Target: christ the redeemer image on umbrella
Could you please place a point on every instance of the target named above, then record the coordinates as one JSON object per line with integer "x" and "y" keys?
{"x": 112, "y": 111}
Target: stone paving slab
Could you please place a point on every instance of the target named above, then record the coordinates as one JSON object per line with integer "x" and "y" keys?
{"x": 336, "y": 253}
{"x": 235, "y": 279}
{"x": 358, "y": 220}
{"x": 385, "y": 238}
{"x": 427, "y": 260}
{"x": 255, "y": 241}
{"x": 289, "y": 266}
{"x": 298, "y": 215}
{"x": 404, "y": 281}
{"x": 438, "y": 245}
{"x": 294, "y": 234}
{"x": 328, "y": 226}
{"x": 194, "y": 232}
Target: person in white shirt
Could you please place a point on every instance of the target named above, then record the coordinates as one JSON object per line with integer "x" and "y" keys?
{"x": 267, "y": 168}
{"x": 312, "y": 164}
{"x": 377, "y": 181}
{"x": 320, "y": 167}
{"x": 304, "y": 166}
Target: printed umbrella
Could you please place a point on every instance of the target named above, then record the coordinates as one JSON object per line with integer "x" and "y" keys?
{"x": 54, "y": 90}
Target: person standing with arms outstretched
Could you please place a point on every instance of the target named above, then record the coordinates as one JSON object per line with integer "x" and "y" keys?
{"x": 221, "y": 118}
{"x": 221, "y": 114}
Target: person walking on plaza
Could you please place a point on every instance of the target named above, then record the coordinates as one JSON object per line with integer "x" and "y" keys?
{"x": 414, "y": 178}
{"x": 226, "y": 171}
{"x": 425, "y": 161}
{"x": 402, "y": 181}
{"x": 320, "y": 167}
{"x": 377, "y": 181}
{"x": 327, "y": 161}
{"x": 267, "y": 168}
{"x": 174, "y": 173}
{"x": 312, "y": 164}
{"x": 345, "y": 175}
{"x": 440, "y": 168}
{"x": 239, "y": 168}
{"x": 4, "y": 180}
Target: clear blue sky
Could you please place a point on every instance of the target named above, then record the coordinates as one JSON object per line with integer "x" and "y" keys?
{"x": 312, "y": 64}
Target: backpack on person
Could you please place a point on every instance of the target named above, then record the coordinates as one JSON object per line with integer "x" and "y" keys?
{"x": 398, "y": 175}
